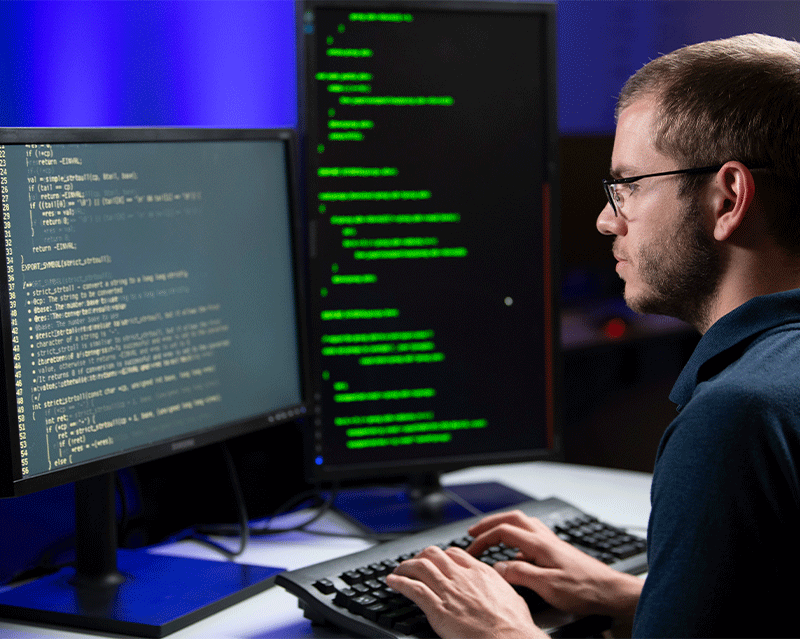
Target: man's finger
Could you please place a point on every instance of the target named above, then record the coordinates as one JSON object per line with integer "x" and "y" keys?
{"x": 513, "y": 517}
{"x": 521, "y": 573}
{"x": 532, "y": 544}
{"x": 414, "y": 589}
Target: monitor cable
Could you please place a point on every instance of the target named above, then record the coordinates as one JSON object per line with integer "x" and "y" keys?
{"x": 322, "y": 500}
{"x": 264, "y": 529}
{"x": 200, "y": 533}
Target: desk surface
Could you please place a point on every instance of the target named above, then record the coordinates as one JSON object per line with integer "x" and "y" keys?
{"x": 618, "y": 497}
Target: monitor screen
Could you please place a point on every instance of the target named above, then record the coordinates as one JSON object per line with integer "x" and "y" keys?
{"x": 429, "y": 140}
{"x": 149, "y": 304}
{"x": 147, "y": 296}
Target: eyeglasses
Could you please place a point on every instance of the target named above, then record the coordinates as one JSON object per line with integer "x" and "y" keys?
{"x": 616, "y": 196}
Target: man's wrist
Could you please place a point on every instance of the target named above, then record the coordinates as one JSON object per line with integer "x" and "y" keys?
{"x": 621, "y": 596}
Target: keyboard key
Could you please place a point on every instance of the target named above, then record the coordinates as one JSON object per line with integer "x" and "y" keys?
{"x": 343, "y": 597}
{"x": 358, "y": 604}
{"x": 325, "y": 586}
{"x": 625, "y": 551}
{"x": 463, "y": 542}
{"x": 366, "y": 573}
{"x": 374, "y": 611}
{"x": 390, "y": 565}
{"x": 350, "y": 577}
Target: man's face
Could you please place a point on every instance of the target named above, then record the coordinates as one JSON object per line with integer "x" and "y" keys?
{"x": 665, "y": 255}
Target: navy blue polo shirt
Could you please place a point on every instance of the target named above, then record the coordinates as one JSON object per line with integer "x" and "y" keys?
{"x": 724, "y": 531}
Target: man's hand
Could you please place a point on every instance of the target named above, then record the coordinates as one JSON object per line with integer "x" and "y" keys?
{"x": 463, "y": 597}
{"x": 562, "y": 575}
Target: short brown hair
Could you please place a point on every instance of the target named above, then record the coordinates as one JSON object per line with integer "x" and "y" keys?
{"x": 732, "y": 99}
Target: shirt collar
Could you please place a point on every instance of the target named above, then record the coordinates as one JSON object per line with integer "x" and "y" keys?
{"x": 729, "y": 336}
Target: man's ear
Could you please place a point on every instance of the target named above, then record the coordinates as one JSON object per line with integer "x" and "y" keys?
{"x": 731, "y": 196}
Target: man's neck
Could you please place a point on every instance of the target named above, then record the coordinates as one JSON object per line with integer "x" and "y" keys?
{"x": 755, "y": 276}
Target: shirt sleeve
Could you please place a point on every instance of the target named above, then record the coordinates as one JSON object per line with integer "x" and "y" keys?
{"x": 724, "y": 497}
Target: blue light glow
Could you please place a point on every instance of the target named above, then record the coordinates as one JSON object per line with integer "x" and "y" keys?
{"x": 231, "y": 63}
{"x": 193, "y": 63}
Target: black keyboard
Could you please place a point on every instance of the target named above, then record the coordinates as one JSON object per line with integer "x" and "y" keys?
{"x": 350, "y": 592}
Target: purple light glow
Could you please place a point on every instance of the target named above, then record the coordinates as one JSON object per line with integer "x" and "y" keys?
{"x": 192, "y": 63}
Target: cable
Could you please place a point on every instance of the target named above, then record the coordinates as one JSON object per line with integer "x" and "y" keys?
{"x": 326, "y": 499}
{"x": 322, "y": 510}
{"x": 462, "y": 502}
{"x": 244, "y": 537}
{"x": 264, "y": 529}
{"x": 122, "y": 525}
{"x": 199, "y": 533}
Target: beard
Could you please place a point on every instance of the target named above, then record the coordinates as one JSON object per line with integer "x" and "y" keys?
{"x": 681, "y": 273}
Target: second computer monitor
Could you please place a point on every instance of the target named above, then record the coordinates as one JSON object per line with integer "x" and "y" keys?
{"x": 430, "y": 146}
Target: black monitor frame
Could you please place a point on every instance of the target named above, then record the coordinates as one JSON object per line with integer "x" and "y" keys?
{"x": 133, "y": 592}
{"x": 427, "y": 470}
{"x": 10, "y": 482}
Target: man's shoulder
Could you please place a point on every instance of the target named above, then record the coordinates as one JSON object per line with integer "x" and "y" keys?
{"x": 754, "y": 398}
{"x": 767, "y": 366}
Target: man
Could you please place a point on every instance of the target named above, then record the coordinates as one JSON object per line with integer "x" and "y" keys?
{"x": 704, "y": 207}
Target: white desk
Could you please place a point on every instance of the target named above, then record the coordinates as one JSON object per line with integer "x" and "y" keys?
{"x": 618, "y": 497}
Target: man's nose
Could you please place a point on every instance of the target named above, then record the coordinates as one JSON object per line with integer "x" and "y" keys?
{"x": 608, "y": 223}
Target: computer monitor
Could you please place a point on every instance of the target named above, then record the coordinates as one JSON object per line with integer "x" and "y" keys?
{"x": 148, "y": 306}
{"x": 430, "y": 164}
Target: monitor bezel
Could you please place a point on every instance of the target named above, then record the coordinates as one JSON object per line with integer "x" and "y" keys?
{"x": 392, "y": 473}
{"x": 11, "y": 485}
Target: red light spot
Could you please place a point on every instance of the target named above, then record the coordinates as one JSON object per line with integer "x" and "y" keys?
{"x": 615, "y": 328}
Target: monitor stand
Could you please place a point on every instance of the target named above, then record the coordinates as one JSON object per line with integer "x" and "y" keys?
{"x": 128, "y": 592}
{"x": 422, "y": 503}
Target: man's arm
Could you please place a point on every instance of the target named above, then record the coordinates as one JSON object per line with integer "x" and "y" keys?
{"x": 722, "y": 543}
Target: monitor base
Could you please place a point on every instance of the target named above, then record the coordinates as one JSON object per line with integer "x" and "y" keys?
{"x": 415, "y": 507}
{"x": 158, "y": 595}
